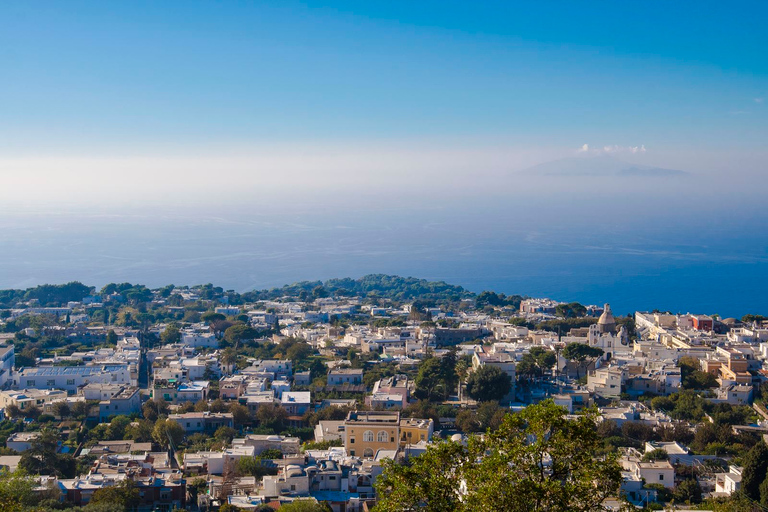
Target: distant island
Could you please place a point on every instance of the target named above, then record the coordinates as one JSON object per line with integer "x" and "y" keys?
{"x": 600, "y": 165}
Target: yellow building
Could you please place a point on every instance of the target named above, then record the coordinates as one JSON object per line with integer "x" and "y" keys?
{"x": 413, "y": 430}
{"x": 367, "y": 432}
{"x": 370, "y": 431}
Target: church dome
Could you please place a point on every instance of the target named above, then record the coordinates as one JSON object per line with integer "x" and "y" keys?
{"x": 606, "y": 322}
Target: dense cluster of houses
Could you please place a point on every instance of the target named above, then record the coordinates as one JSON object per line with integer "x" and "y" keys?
{"x": 191, "y": 370}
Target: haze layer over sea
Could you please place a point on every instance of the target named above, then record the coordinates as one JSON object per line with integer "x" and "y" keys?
{"x": 668, "y": 243}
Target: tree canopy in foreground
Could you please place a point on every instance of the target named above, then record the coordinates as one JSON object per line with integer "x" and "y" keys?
{"x": 537, "y": 460}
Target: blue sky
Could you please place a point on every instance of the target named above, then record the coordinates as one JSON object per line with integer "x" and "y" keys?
{"x": 89, "y": 80}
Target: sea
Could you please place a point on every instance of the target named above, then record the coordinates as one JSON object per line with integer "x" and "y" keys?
{"x": 635, "y": 248}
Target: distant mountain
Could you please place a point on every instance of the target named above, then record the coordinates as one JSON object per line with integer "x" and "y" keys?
{"x": 601, "y": 165}
{"x": 384, "y": 286}
{"x": 650, "y": 171}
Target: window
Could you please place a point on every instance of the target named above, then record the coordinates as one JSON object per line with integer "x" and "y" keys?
{"x": 50, "y": 382}
{"x": 368, "y": 436}
{"x": 30, "y": 382}
{"x": 382, "y": 436}
{"x": 351, "y": 440}
{"x": 70, "y": 382}
{"x": 368, "y": 452}
{"x": 293, "y": 487}
{"x": 661, "y": 477}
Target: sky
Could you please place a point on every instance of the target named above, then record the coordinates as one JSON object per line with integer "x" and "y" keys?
{"x": 255, "y": 143}
{"x": 122, "y": 100}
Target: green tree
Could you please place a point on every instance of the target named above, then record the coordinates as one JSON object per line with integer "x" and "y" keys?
{"x": 125, "y": 494}
{"x": 748, "y": 319}
{"x": 42, "y": 457}
{"x": 764, "y": 492}
{"x": 225, "y": 434}
{"x": 61, "y": 409}
{"x": 299, "y": 352}
{"x": 117, "y": 427}
{"x": 171, "y": 334}
{"x": 535, "y": 363}
{"x": 576, "y": 480}
{"x": 654, "y": 455}
{"x": 699, "y": 380}
{"x": 467, "y": 421}
{"x": 229, "y": 356}
{"x": 240, "y": 414}
{"x": 14, "y": 411}
{"x": 33, "y": 412}
{"x": 272, "y": 416}
{"x": 430, "y": 482}
{"x": 271, "y": 453}
{"x": 305, "y": 505}
{"x": 581, "y": 354}
{"x": 755, "y": 467}
{"x": 103, "y": 506}
{"x": 167, "y": 431}
{"x": 448, "y": 369}
{"x": 429, "y": 381}
{"x": 571, "y": 310}
{"x": 111, "y": 338}
{"x": 488, "y": 415}
{"x": 239, "y": 332}
{"x": 688, "y": 491}
{"x": 139, "y": 431}
{"x": 200, "y": 485}
{"x": 154, "y": 408}
{"x": 16, "y": 491}
{"x": 80, "y": 409}
{"x": 211, "y": 316}
{"x": 488, "y": 383}
{"x": 252, "y": 466}
{"x": 218, "y": 405}
{"x": 505, "y": 469}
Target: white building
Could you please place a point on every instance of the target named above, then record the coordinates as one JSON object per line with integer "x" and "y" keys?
{"x": 21, "y": 441}
{"x": 606, "y": 382}
{"x": 292, "y": 480}
{"x": 198, "y": 422}
{"x": 7, "y": 362}
{"x": 124, "y": 403}
{"x": 199, "y": 340}
{"x": 341, "y": 376}
{"x": 25, "y": 399}
{"x": 70, "y": 378}
{"x": 296, "y": 402}
{"x": 730, "y": 482}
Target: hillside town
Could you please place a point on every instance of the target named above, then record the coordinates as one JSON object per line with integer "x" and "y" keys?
{"x": 198, "y": 398}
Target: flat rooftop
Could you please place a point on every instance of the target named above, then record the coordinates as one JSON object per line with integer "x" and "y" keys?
{"x": 374, "y": 417}
{"x": 53, "y": 371}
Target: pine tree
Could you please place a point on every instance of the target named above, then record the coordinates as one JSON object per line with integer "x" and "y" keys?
{"x": 755, "y": 466}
